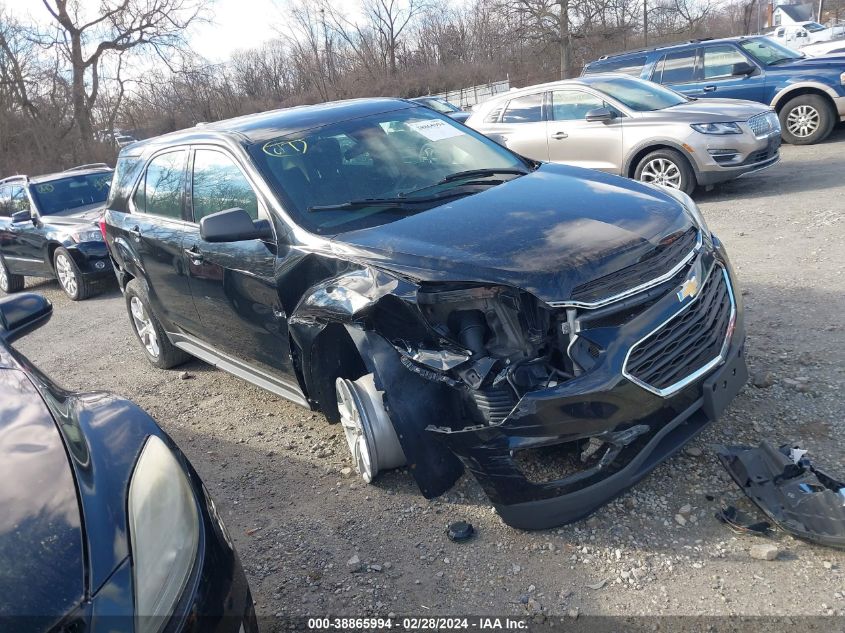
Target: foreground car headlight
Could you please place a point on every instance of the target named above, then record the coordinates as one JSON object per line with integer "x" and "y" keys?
{"x": 164, "y": 534}
{"x": 88, "y": 235}
{"x": 717, "y": 128}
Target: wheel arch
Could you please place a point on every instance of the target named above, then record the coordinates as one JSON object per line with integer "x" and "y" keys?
{"x": 640, "y": 152}
{"x": 803, "y": 88}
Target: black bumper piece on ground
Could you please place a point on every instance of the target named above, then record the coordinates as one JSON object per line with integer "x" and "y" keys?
{"x": 672, "y": 422}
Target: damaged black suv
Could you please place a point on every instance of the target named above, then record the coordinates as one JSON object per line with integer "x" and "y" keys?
{"x": 452, "y": 304}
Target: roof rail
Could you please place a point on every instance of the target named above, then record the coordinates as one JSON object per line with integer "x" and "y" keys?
{"x": 656, "y": 47}
{"x": 88, "y": 166}
{"x": 14, "y": 178}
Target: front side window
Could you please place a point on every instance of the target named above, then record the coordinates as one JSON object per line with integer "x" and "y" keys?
{"x": 5, "y": 202}
{"x": 639, "y": 95}
{"x": 678, "y": 68}
{"x": 527, "y": 109}
{"x": 380, "y": 168}
{"x": 219, "y": 184}
{"x": 719, "y": 61}
{"x": 160, "y": 191}
{"x": 573, "y": 105}
{"x": 19, "y": 200}
{"x": 71, "y": 193}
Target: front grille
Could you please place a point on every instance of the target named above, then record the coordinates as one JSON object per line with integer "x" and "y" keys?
{"x": 688, "y": 342}
{"x": 764, "y": 124}
{"x": 654, "y": 264}
{"x": 760, "y": 156}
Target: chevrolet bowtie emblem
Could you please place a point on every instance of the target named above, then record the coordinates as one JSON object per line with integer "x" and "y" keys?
{"x": 688, "y": 289}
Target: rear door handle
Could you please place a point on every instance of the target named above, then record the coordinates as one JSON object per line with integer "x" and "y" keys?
{"x": 135, "y": 232}
{"x": 194, "y": 254}
{"x": 560, "y": 135}
{"x": 709, "y": 88}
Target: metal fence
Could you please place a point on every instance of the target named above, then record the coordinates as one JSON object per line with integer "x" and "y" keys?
{"x": 468, "y": 97}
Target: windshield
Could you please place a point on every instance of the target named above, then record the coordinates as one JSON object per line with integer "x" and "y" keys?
{"x": 380, "y": 168}
{"x": 814, "y": 27}
{"x": 64, "y": 194}
{"x": 767, "y": 51}
{"x": 639, "y": 95}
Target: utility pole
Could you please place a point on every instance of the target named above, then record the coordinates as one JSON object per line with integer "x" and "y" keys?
{"x": 821, "y": 8}
{"x": 565, "y": 62}
{"x": 645, "y": 23}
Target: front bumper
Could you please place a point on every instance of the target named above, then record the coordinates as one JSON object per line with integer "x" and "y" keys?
{"x": 93, "y": 260}
{"x": 753, "y": 155}
{"x": 638, "y": 428}
{"x": 839, "y": 102}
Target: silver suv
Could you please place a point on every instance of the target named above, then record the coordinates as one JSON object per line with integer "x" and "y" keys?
{"x": 635, "y": 128}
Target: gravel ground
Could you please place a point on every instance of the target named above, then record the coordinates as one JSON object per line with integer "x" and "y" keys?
{"x": 280, "y": 474}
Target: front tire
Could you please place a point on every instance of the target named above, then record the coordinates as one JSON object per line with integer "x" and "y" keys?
{"x": 70, "y": 277}
{"x": 158, "y": 349}
{"x": 10, "y": 282}
{"x": 806, "y": 119}
{"x": 666, "y": 167}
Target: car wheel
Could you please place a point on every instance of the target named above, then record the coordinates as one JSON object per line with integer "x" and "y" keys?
{"x": 806, "y": 119}
{"x": 70, "y": 277}
{"x": 666, "y": 167}
{"x": 9, "y": 282}
{"x": 369, "y": 432}
{"x": 157, "y": 347}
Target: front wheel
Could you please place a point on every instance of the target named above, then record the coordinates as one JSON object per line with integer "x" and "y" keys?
{"x": 806, "y": 119}
{"x": 9, "y": 282}
{"x": 667, "y": 167}
{"x": 70, "y": 277}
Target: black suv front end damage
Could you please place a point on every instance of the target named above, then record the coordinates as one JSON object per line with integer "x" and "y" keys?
{"x": 608, "y": 385}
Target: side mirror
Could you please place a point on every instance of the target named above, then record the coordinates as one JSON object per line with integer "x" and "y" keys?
{"x": 741, "y": 69}
{"x": 23, "y": 313}
{"x": 234, "y": 225}
{"x": 600, "y": 114}
{"x": 21, "y": 216}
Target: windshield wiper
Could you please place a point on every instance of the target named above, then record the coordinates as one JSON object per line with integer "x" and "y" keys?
{"x": 393, "y": 203}
{"x": 470, "y": 173}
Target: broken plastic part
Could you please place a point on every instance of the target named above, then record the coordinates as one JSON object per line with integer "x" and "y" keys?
{"x": 741, "y": 522}
{"x": 440, "y": 360}
{"x": 460, "y": 531}
{"x": 798, "y": 497}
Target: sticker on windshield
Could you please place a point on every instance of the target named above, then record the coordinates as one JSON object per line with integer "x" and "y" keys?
{"x": 435, "y": 129}
{"x": 285, "y": 148}
{"x": 47, "y": 188}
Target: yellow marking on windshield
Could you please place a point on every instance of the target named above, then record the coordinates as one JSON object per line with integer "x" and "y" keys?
{"x": 285, "y": 148}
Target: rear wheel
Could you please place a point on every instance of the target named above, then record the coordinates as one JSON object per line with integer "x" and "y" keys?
{"x": 666, "y": 167}
{"x": 70, "y": 277}
{"x": 9, "y": 282}
{"x": 160, "y": 352}
{"x": 806, "y": 119}
{"x": 369, "y": 432}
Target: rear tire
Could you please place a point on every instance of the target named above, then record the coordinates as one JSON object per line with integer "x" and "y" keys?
{"x": 9, "y": 282}
{"x": 667, "y": 167}
{"x": 806, "y": 119}
{"x": 158, "y": 349}
{"x": 70, "y": 278}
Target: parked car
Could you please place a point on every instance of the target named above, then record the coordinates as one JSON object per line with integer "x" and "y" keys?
{"x": 105, "y": 524}
{"x": 449, "y": 302}
{"x": 803, "y": 33}
{"x": 48, "y": 228}
{"x": 438, "y": 104}
{"x": 635, "y": 128}
{"x": 822, "y": 49}
{"x": 807, "y": 93}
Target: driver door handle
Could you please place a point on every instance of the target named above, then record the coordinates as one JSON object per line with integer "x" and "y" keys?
{"x": 194, "y": 254}
{"x": 709, "y": 88}
{"x": 560, "y": 135}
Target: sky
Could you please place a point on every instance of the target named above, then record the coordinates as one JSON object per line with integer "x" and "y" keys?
{"x": 237, "y": 24}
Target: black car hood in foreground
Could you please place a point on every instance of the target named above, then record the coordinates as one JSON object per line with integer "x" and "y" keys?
{"x": 41, "y": 552}
{"x": 88, "y": 214}
{"x": 546, "y": 232}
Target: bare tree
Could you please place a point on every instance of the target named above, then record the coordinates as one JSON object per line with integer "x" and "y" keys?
{"x": 119, "y": 26}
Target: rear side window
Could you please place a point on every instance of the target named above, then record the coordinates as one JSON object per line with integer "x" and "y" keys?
{"x": 627, "y": 66}
{"x": 676, "y": 68}
{"x": 527, "y": 109}
{"x": 160, "y": 192}
{"x": 219, "y": 184}
{"x": 719, "y": 61}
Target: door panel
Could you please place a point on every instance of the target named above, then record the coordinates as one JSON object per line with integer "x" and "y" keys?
{"x": 234, "y": 284}
{"x": 155, "y": 230}
{"x": 575, "y": 141}
{"x": 715, "y": 78}
{"x": 522, "y": 127}
{"x": 24, "y": 249}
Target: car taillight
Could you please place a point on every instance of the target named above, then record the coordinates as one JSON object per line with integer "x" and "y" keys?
{"x": 102, "y": 224}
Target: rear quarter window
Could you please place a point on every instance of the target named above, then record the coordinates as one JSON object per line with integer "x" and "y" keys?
{"x": 628, "y": 66}
{"x": 125, "y": 174}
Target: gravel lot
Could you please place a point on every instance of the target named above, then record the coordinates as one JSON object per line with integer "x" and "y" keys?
{"x": 277, "y": 470}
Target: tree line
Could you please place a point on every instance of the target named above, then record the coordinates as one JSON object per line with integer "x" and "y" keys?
{"x": 129, "y": 65}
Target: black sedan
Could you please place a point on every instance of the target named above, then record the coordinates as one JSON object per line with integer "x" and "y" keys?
{"x": 105, "y": 525}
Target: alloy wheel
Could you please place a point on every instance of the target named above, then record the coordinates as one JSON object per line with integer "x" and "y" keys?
{"x": 4, "y": 278}
{"x": 803, "y": 121}
{"x": 66, "y": 274}
{"x": 662, "y": 171}
{"x": 144, "y": 327}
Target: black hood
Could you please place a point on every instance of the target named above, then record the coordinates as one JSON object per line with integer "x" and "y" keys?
{"x": 832, "y": 63}
{"x": 89, "y": 214}
{"x": 546, "y": 232}
{"x": 41, "y": 552}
